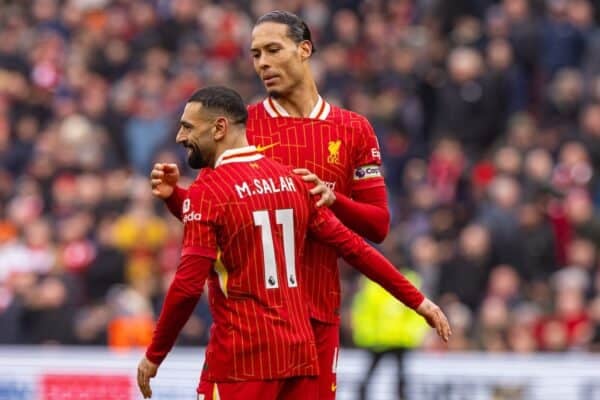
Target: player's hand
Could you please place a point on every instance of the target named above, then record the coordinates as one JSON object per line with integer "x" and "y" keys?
{"x": 327, "y": 195}
{"x": 146, "y": 370}
{"x": 435, "y": 318}
{"x": 164, "y": 178}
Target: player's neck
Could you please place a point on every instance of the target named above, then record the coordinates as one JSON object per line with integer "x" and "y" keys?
{"x": 239, "y": 142}
{"x": 301, "y": 101}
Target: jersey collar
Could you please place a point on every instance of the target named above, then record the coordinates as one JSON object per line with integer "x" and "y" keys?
{"x": 275, "y": 110}
{"x": 242, "y": 154}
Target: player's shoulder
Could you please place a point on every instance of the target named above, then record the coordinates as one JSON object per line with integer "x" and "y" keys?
{"x": 204, "y": 187}
{"x": 256, "y": 110}
{"x": 348, "y": 117}
{"x": 275, "y": 167}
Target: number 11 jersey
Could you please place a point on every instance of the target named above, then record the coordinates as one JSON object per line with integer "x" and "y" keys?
{"x": 251, "y": 215}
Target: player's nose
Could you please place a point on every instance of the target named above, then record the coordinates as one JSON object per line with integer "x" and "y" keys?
{"x": 181, "y": 137}
{"x": 263, "y": 62}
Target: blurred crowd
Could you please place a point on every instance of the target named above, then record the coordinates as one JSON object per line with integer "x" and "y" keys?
{"x": 487, "y": 112}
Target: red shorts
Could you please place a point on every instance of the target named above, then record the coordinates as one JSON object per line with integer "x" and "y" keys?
{"x": 327, "y": 337}
{"x": 297, "y": 388}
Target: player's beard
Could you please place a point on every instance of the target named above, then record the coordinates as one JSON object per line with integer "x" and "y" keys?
{"x": 283, "y": 90}
{"x": 276, "y": 94}
{"x": 196, "y": 159}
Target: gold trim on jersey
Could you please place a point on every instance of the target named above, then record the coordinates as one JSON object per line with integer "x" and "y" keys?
{"x": 215, "y": 395}
{"x": 221, "y": 272}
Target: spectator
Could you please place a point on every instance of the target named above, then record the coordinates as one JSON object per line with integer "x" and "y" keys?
{"x": 473, "y": 259}
{"x": 385, "y": 327}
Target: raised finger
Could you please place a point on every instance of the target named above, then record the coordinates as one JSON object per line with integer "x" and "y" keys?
{"x": 301, "y": 171}
{"x": 318, "y": 189}
{"x": 311, "y": 178}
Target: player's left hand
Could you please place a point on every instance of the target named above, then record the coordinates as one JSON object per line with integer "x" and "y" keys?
{"x": 436, "y": 318}
{"x": 146, "y": 370}
{"x": 327, "y": 195}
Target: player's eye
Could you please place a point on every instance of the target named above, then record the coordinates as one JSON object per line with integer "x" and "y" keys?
{"x": 273, "y": 50}
{"x": 255, "y": 54}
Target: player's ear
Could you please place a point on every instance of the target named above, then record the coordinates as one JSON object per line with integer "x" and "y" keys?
{"x": 305, "y": 49}
{"x": 220, "y": 128}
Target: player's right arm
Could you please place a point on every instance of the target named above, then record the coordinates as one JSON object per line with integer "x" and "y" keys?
{"x": 325, "y": 227}
{"x": 198, "y": 253}
{"x": 181, "y": 299}
{"x": 164, "y": 178}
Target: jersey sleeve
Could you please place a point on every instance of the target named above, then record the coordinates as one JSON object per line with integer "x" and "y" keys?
{"x": 367, "y": 157}
{"x": 325, "y": 227}
{"x": 200, "y": 216}
{"x": 181, "y": 299}
{"x": 366, "y": 213}
{"x": 175, "y": 201}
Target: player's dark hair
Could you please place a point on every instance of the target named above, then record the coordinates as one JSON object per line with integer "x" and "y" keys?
{"x": 222, "y": 99}
{"x": 297, "y": 29}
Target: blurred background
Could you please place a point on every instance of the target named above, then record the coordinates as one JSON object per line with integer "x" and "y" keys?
{"x": 487, "y": 112}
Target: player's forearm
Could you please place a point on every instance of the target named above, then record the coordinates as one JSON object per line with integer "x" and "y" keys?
{"x": 181, "y": 299}
{"x": 367, "y": 214}
{"x": 376, "y": 267}
{"x": 177, "y": 310}
{"x": 328, "y": 229}
{"x": 175, "y": 201}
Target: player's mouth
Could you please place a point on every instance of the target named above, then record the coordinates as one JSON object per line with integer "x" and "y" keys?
{"x": 270, "y": 79}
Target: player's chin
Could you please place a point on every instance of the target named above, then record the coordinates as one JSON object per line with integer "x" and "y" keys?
{"x": 273, "y": 91}
{"x": 195, "y": 161}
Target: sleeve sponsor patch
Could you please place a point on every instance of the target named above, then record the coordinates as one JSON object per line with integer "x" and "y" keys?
{"x": 366, "y": 172}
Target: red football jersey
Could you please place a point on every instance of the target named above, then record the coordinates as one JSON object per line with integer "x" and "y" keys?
{"x": 252, "y": 215}
{"x": 341, "y": 148}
